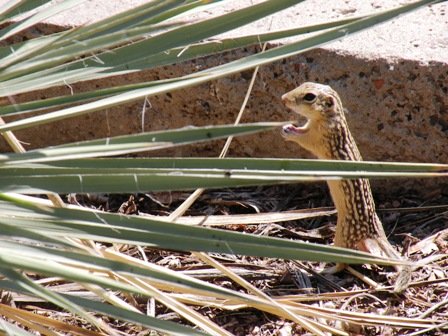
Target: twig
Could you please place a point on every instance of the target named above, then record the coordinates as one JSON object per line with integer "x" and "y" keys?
{"x": 198, "y": 192}
{"x": 307, "y": 323}
{"x": 320, "y": 277}
{"x": 18, "y": 148}
{"x": 433, "y": 308}
{"x": 425, "y": 331}
{"x": 351, "y": 298}
{"x": 362, "y": 277}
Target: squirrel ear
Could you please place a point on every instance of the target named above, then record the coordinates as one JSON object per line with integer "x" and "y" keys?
{"x": 329, "y": 101}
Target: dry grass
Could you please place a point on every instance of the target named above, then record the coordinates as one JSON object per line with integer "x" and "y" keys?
{"x": 292, "y": 297}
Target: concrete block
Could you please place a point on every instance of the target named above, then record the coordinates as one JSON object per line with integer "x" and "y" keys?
{"x": 393, "y": 80}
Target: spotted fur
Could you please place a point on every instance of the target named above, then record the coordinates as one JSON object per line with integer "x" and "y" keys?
{"x": 353, "y": 198}
{"x": 327, "y": 135}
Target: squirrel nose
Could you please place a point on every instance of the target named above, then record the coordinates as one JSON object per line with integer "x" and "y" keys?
{"x": 286, "y": 98}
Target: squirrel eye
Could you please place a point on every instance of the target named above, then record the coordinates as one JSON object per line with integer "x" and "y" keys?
{"x": 309, "y": 97}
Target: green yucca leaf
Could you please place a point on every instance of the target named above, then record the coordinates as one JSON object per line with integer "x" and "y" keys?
{"x": 216, "y": 72}
{"x": 38, "y": 180}
{"x": 99, "y": 35}
{"x": 11, "y": 329}
{"x": 157, "y": 174}
{"x": 126, "y": 144}
{"x": 43, "y": 240}
{"x": 38, "y": 17}
{"x": 256, "y": 164}
{"x": 9, "y": 9}
{"x": 123, "y": 56}
{"x": 82, "y": 260}
{"x": 116, "y": 228}
{"x": 162, "y": 326}
{"x": 40, "y": 291}
{"x": 188, "y": 34}
{"x": 169, "y": 57}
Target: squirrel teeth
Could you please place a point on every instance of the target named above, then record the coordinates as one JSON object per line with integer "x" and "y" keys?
{"x": 295, "y": 129}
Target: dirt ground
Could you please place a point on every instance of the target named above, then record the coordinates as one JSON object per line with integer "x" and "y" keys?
{"x": 416, "y": 224}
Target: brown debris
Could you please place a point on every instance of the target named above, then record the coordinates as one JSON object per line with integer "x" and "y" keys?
{"x": 422, "y": 231}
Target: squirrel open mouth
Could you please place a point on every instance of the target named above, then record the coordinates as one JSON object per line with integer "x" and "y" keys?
{"x": 294, "y": 129}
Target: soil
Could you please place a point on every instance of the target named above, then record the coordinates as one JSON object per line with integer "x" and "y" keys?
{"x": 408, "y": 218}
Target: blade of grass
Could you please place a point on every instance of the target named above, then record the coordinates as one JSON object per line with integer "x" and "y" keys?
{"x": 11, "y": 329}
{"x": 11, "y": 8}
{"x": 40, "y": 291}
{"x": 316, "y": 328}
{"x": 183, "y": 310}
{"x": 168, "y": 327}
{"x": 140, "y": 231}
{"x": 192, "y": 33}
{"x": 181, "y": 209}
{"x": 77, "y": 38}
{"x": 134, "y": 143}
{"x": 17, "y": 147}
{"x": 42, "y": 323}
{"x": 38, "y": 17}
{"x": 206, "y": 48}
{"x": 255, "y": 164}
{"x": 48, "y": 47}
{"x": 44, "y": 178}
{"x": 109, "y": 261}
{"x": 172, "y": 56}
{"x": 219, "y": 71}
{"x": 248, "y": 219}
{"x": 122, "y": 56}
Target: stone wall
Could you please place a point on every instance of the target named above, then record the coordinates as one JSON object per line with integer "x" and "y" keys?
{"x": 397, "y": 110}
{"x": 397, "y": 107}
